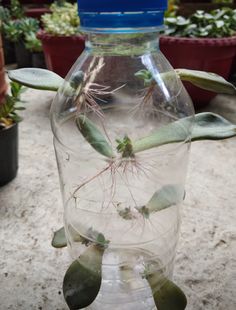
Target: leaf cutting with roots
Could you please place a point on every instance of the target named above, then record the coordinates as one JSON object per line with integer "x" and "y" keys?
{"x": 204, "y": 80}
{"x": 89, "y": 93}
{"x": 207, "y": 126}
{"x": 83, "y": 278}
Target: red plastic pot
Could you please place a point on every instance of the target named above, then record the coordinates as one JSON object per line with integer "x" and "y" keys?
{"x": 206, "y": 54}
{"x": 36, "y": 12}
{"x": 29, "y": 1}
{"x": 61, "y": 52}
{"x": 233, "y": 68}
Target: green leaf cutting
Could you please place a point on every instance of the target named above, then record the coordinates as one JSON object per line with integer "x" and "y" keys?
{"x": 94, "y": 136}
{"x": 207, "y": 126}
{"x": 41, "y": 79}
{"x": 83, "y": 279}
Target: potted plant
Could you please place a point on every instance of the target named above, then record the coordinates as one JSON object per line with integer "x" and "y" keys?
{"x": 188, "y": 7}
{"x": 8, "y": 46}
{"x": 9, "y": 120}
{"x": 83, "y": 279}
{"x": 13, "y": 33}
{"x": 207, "y": 39}
{"x": 32, "y": 9}
{"x": 16, "y": 9}
{"x": 15, "y": 27}
{"x": 16, "y": 31}
{"x": 172, "y": 8}
{"x": 60, "y": 37}
{"x": 34, "y": 45}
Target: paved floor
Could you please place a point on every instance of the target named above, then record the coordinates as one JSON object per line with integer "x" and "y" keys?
{"x": 31, "y": 271}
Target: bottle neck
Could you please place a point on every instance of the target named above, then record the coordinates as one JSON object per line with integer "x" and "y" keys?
{"x": 135, "y": 44}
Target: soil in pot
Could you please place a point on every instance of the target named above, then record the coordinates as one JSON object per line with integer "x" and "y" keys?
{"x": 23, "y": 56}
{"x": 8, "y": 154}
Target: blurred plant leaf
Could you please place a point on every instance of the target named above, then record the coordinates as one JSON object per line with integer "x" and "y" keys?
{"x": 59, "y": 239}
{"x": 47, "y": 80}
{"x": 207, "y": 126}
{"x": 167, "y": 297}
{"x": 164, "y": 198}
{"x": 10, "y": 106}
{"x": 218, "y": 23}
{"x": 63, "y": 19}
{"x": 36, "y": 78}
{"x": 206, "y": 80}
{"x": 94, "y": 136}
{"x": 83, "y": 278}
{"x": 166, "y": 294}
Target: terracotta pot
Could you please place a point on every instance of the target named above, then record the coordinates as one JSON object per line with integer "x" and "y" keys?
{"x": 233, "y": 68}
{"x": 210, "y": 54}
{"x": 36, "y": 12}
{"x": 29, "y": 1}
{"x": 3, "y": 84}
{"x": 61, "y": 52}
{"x": 8, "y": 154}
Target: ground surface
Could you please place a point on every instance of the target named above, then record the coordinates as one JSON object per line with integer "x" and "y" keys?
{"x": 31, "y": 271}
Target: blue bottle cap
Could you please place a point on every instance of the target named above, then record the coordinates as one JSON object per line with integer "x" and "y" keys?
{"x": 121, "y": 15}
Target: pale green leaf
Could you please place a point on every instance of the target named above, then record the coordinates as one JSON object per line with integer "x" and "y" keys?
{"x": 36, "y": 78}
{"x": 167, "y": 297}
{"x": 207, "y": 80}
{"x": 206, "y": 126}
{"x": 59, "y": 239}
{"x": 164, "y": 198}
{"x": 94, "y": 136}
{"x": 83, "y": 278}
{"x": 210, "y": 126}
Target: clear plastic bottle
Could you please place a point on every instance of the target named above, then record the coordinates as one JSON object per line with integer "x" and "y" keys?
{"x": 121, "y": 92}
